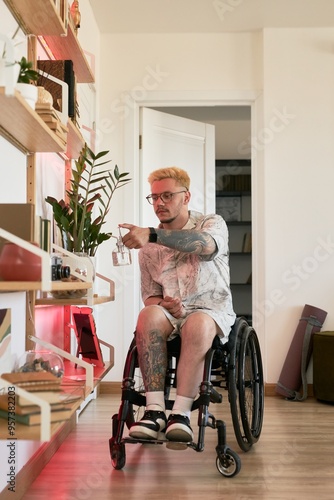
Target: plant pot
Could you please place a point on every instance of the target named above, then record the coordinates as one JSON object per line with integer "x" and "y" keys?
{"x": 29, "y": 93}
{"x": 18, "y": 264}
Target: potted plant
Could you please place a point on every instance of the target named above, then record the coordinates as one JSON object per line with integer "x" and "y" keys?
{"x": 27, "y": 75}
{"x": 91, "y": 191}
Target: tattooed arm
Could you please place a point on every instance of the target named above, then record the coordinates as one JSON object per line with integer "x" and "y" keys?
{"x": 185, "y": 240}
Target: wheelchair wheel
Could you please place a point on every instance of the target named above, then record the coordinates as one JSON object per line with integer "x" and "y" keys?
{"x": 228, "y": 463}
{"x": 117, "y": 454}
{"x": 235, "y": 385}
{"x": 251, "y": 391}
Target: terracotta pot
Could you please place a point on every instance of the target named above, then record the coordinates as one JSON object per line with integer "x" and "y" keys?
{"x": 18, "y": 264}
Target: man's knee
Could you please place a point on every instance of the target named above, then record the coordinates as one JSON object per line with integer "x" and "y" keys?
{"x": 199, "y": 329}
{"x": 152, "y": 317}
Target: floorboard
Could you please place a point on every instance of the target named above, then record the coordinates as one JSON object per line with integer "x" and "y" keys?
{"x": 294, "y": 457}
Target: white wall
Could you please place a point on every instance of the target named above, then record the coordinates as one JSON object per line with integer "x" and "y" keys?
{"x": 294, "y": 156}
{"x": 299, "y": 175}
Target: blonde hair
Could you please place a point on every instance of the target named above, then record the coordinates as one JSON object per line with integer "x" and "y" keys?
{"x": 179, "y": 175}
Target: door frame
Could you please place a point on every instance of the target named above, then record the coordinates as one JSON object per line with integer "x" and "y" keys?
{"x": 252, "y": 98}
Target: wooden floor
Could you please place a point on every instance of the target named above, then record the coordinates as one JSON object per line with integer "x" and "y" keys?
{"x": 294, "y": 457}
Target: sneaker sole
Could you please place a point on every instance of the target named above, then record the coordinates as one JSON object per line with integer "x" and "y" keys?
{"x": 182, "y": 435}
{"x": 139, "y": 434}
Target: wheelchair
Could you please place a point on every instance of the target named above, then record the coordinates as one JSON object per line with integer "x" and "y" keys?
{"x": 235, "y": 366}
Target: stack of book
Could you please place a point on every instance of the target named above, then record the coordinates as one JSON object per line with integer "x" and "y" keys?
{"x": 45, "y": 386}
{"x": 50, "y": 116}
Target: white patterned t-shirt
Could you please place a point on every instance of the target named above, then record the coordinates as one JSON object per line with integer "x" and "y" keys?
{"x": 201, "y": 281}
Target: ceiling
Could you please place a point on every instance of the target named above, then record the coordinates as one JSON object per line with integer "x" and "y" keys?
{"x": 209, "y": 16}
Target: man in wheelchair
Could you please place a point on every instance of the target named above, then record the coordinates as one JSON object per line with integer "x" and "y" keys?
{"x": 185, "y": 284}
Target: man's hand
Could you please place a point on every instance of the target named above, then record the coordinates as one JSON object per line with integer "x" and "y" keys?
{"x": 174, "y": 306}
{"x": 137, "y": 237}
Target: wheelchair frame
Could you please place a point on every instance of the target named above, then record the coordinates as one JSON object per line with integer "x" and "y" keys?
{"x": 235, "y": 366}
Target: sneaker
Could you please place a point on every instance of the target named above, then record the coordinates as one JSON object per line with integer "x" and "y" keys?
{"x": 178, "y": 429}
{"x": 149, "y": 425}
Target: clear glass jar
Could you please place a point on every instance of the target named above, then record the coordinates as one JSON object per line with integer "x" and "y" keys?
{"x": 121, "y": 255}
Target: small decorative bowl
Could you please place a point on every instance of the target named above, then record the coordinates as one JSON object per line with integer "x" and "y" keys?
{"x": 69, "y": 294}
{"x": 39, "y": 361}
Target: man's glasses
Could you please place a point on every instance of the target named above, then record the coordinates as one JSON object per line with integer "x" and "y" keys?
{"x": 164, "y": 197}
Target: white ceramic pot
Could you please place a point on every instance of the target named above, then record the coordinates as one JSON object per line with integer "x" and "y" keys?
{"x": 29, "y": 93}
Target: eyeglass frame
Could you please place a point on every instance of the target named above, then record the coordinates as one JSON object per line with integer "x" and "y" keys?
{"x": 151, "y": 200}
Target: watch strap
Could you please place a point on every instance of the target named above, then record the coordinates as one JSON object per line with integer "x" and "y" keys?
{"x": 153, "y": 235}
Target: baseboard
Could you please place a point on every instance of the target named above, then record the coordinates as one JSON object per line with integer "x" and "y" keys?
{"x": 29, "y": 472}
{"x": 269, "y": 389}
{"x": 110, "y": 388}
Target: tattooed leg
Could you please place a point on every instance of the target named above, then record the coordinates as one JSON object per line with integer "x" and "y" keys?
{"x": 152, "y": 357}
{"x": 152, "y": 331}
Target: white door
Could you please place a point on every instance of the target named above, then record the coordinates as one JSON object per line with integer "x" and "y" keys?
{"x": 168, "y": 140}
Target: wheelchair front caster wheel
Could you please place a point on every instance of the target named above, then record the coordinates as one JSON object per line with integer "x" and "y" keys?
{"x": 117, "y": 454}
{"x": 228, "y": 463}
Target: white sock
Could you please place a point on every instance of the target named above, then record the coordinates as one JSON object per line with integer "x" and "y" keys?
{"x": 155, "y": 400}
{"x": 182, "y": 406}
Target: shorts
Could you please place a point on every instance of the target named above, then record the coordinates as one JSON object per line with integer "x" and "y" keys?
{"x": 178, "y": 323}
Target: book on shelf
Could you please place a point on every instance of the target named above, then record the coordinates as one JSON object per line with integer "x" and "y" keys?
{"x": 18, "y": 219}
{"x": 62, "y": 70}
{"x": 247, "y": 243}
{"x": 58, "y": 401}
{"x": 35, "y": 418}
{"x": 54, "y": 397}
{"x": 34, "y": 381}
{"x": 26, "y": 409}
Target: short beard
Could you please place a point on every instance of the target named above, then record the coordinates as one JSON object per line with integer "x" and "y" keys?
{"x": 167, "y": 221}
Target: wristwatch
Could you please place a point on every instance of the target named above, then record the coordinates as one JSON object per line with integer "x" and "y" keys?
{"x": 153, "y": 235}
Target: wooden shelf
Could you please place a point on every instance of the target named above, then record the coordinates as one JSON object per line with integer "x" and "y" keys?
{"x": 22, "y": 286}
{"x": 22, "y": 126}
{"x": 75, "y": 141}
{"x": 40, "y": 18}
{"x": 37, "y": 17}
{"x": 69, "y": 48}
{"x": 50, "y": 301}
